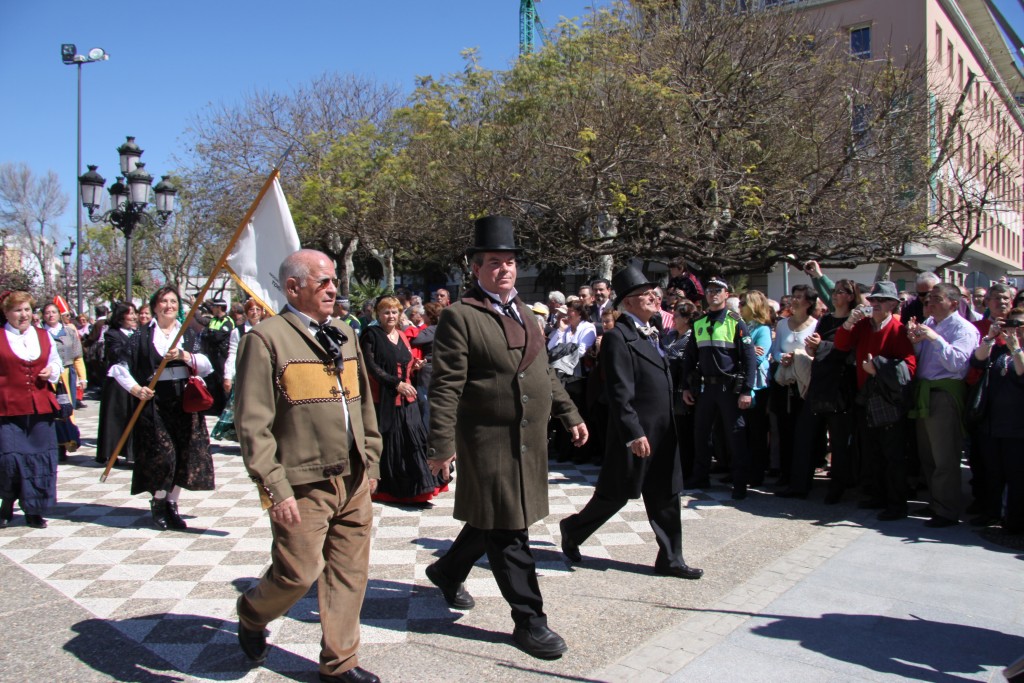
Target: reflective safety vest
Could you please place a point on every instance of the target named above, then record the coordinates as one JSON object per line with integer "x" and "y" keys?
{"x": 721, "y": 335}
{"x": 217, "y": 323}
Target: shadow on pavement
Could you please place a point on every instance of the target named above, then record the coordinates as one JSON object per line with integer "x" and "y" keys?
{"x": 914, "y": 649}
{"x": 166, "y": 648}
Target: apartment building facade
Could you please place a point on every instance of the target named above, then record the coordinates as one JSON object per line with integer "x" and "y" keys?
{"x": 974, "y": 86}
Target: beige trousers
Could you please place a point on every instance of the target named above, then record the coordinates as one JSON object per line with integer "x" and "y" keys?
{"x": 331, "y": 545}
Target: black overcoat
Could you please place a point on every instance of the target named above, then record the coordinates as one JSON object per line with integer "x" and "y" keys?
{"x": 638, "y": 386}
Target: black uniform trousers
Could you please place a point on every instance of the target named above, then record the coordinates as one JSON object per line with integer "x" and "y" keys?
{"x": 515, "y": 571}
{"x": 718, "y": 397}
{"x": 662, "y": 512}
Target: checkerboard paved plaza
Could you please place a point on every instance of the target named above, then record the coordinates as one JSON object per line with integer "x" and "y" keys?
{"x": 173, "y": 593}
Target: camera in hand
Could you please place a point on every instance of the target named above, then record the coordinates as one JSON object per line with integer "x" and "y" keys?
{"x": 1013, "y": 322}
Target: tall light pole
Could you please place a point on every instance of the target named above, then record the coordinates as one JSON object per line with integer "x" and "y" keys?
{"x": 69, "y": 55}
{"x": 128, "y": 203}
{"x": 65, "y": 256}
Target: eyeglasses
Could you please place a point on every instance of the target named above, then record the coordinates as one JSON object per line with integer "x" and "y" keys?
{"x": 322, "y": 283}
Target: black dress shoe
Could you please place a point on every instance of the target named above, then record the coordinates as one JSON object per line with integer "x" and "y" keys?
{"x": 254, "y": 643}
{"x": 35, "y": 521}
{"x": 739, "y": 491}
{"x": 569, "y": 547}
{"x": 984, "y": 520}
{"x": 6, "y": 513}
{"x": 158, "y": 509}
{"x": 891, "y": 515}
{"x": 684, "y": 572}
{"x": 871, "y": 504}
{"x": 940, "y": 522}
{"x": 354, "y": 675}
{"x": 454, "y": 594}
{"x": 173, "y": 519}
{"x": 922, "y": 511}
{"x": 539, "y": 641}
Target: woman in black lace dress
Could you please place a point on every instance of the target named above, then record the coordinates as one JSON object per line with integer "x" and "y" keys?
{"x": 404, "y": 476}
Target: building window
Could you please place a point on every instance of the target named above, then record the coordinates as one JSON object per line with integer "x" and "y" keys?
{"x": 938, "y": 43}
{"x": 860, "y": 42}
{"x": 960, "y": 72}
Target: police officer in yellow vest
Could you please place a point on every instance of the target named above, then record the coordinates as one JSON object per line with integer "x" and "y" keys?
{"x": 721, "y": 353}
{"x": 215, "y": 340}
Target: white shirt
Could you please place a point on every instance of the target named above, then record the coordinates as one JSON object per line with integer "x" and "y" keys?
{"x": 310, "y": 324}
{"x": 25, "y": 346}
{"x": 654, "y": 342}
{"x": 162, "y": 344}
{"x": 496, "y": 307}
{"x": 229, "y": 363}
{"x": 585, "y": 335}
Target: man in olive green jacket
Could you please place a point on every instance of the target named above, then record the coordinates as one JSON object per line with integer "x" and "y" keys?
{"x": 491, "y": 395}
{"x": 309, "y": 439}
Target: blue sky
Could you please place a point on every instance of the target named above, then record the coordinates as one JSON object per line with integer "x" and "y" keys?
{"x": 169, "y": 60}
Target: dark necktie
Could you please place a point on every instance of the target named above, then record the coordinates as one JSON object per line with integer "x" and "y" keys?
{"x": 332, "y": 339}
{"x": 509, "y": 309}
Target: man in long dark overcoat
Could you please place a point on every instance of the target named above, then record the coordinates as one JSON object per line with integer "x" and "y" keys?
{"x": 641, "y": 455}
{"x": 491, "y": 395}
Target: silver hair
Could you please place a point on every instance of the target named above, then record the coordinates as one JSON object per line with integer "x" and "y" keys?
{"x": 557, "y": 296}
{"x": 414, "y": 309}
{"x": 297, "y": 265}
{"x": 928, "y": 278}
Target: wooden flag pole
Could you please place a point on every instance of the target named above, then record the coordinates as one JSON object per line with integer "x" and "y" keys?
{"x": 221, "y": 262}
{"x": 245, "y": 288}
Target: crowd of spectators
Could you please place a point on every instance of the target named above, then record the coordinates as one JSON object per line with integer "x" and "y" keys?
{"x": 875, "y": 390}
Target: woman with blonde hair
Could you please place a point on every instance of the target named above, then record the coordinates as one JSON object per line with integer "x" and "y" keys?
{"x": 757, "y": 314}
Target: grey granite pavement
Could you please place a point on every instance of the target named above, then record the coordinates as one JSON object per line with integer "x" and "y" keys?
{"x": 793, "y": 591}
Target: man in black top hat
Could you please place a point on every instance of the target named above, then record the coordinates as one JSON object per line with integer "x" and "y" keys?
{"x": 215, "y": 340}
{"x": 642, "y": 453}
{"x": 491, "y": 395}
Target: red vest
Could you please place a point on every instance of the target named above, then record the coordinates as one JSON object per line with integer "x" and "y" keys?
{"x": 22, "y": 390}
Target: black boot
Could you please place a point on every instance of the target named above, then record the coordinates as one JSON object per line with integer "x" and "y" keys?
{"x": 158, "y": 506}
{"x": 174, "y": 520}
{"x": 35, "y": 521}
{"x": 6, "y": 512}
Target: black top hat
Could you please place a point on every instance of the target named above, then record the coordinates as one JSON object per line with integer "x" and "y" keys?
{"x": 627, "y": 281}
{"x": 493, "y": 233}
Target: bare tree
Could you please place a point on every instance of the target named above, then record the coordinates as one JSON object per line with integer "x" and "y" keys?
{"x": 234, "y": 146}
{"x": 29, "y": 207}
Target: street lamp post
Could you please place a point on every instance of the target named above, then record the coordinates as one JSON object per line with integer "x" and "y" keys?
{"x": 65, "y": 256}
{"x": 128, "y": 202}
{"x": 69, "y": 55}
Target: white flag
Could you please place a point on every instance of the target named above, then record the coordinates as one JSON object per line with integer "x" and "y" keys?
{"x": 268, "y": 238}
